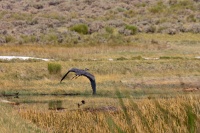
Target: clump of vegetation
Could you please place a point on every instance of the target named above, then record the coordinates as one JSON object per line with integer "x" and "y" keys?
{"x": 170, "y": 57}
{"x": 137, "y": 58}
{"x": 191, "y": 119}
{"x": 2, "y": 13}
{"x": 132, "y": 28}
{"x": 54, "y": 105}
{"x": 183, "y": 4}
{"x": 28, "y": 39}
{"x": 9, "y": 39}
{"x": 130, "y": 13}
{"x": 53, "y": 15}
{"x": 159, "y": 7}
{"x": 109, "y": 29}
{"x": 54, "y": 68}
{"x": 121, "y": 58}
{"x": 191, "y": 18}
{"x": 80, "y": 28}
{"x": 51, "y": 38}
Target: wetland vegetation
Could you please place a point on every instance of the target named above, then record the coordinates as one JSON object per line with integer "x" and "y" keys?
{"x": 146, "y": 66}
{"x": 146, "y": 87}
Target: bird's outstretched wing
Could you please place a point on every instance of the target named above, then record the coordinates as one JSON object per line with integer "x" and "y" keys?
{"x": 93, "y": 84}
{"x": 64, "y": 76}
{"x": 81, "y": 72}
{"x": 92, "y": 81}
{"x": 71, "y": 70}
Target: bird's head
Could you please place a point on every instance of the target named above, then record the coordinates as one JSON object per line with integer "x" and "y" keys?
{"x": 86, "y": 69}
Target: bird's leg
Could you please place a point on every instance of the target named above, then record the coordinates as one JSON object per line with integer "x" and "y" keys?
{"x": 75, "y": 77}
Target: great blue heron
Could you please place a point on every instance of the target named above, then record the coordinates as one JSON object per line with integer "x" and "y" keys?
{"x": 81, "y": 72}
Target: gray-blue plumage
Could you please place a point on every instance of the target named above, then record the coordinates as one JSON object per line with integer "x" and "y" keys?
{"x": 81, "y": 72}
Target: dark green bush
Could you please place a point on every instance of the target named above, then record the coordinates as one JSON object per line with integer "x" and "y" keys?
{"x": 132, "y": 28}
{"x": 54, "y": 68}
{"x": 80, "y": 28}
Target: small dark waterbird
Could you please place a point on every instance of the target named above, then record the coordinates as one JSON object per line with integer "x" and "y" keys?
{"x": 81, "y": 72}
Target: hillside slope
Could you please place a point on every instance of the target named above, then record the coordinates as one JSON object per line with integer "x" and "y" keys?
{"x": 51, "y": 21}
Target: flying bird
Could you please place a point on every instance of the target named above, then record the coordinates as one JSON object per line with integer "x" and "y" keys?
{"x": 81, "y": 72}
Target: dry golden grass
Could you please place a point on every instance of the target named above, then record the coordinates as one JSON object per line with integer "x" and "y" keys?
{"x": 11, "y": 122}
{"x": 154, "y": 115}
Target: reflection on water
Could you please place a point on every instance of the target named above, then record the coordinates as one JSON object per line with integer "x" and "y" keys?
{"x": 52, "y": 102}
{"x": 75, "y": 102}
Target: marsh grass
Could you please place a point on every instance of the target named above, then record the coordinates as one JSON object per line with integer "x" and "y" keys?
{"x": 113, "y": 127}
{"x": 11, "y": 122}
{"x": 124, "y": 108}
{"x": 191, "y": 119}
{"x": 135, "y": 116}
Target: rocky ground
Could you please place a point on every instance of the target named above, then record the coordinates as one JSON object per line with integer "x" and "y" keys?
{"x": 49, "y": 21}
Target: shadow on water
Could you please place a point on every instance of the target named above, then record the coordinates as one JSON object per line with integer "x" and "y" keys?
{"x": 67, "y": 102}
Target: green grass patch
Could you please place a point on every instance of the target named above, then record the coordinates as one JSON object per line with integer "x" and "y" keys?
{"x": 54, "y": 68}
{"x": 80, "y": 28}
{"x": 137, "y": 58}
{"x": 191, "y": 119}
{"x": 122, "y": 58}
{"x": 54, "y": 105}
{"x": 132, "y": 28}
{"x": 170, "y": 57}
{"x": 109, "y": 29}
